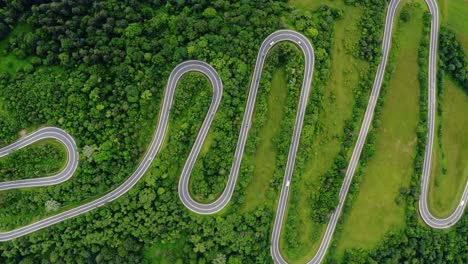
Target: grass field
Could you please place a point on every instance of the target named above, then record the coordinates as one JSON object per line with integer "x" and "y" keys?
{"x": 165, "y": 253}
{"x": 454, "y": 14}
{"x": 449, "y": 166}
{"x": 337, "y": 106}
{"x": 375, "y": 210}
{"x": 265, "y": 157}
{"x": 314, "y": 4}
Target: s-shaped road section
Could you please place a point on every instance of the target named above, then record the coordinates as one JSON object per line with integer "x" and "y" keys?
{"x": 198, "y": 66}
{"x": 428, "y": 218}
{"x": 158, "y": 137}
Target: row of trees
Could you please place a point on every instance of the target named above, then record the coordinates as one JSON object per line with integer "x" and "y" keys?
{"x": 452, "y": 57}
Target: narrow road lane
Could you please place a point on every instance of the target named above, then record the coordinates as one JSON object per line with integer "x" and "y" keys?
{"x": 44, "y": 133}
{"x": 189, "y": 66}
{"x": 429, "y": 219}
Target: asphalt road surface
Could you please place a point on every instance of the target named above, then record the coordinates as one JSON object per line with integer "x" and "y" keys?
{"x": 44, "y": 133}
{"x": 429, "y": 219}
{"x": 423, "y": 208}
{"x": 145, "y": 163}
{"x": 278, "y": 36}
{"x": 217, "y": 205}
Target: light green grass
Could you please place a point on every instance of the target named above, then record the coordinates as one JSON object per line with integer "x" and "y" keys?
{"x": 446, "y": 187}
{"x": 337, "y": 107}
{"x": 313, "y": 4}
{"x": 454, "y": 14}
{"x": 206, "y": 145}
{"x": 265, "y": 157}
{"x": 9, "y": 62}
{"x": 375, "y": 211}
{"x": 449, "y": 167}
{"x": 170, "y": 253}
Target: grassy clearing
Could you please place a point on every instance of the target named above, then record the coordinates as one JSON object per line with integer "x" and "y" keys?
{"x": 375, "y": 210}
{"x": 453, "y": 14}
{"x": 206, "y": 145}
{"x": 9, "y": 62}
{"x": 337, "y": 107}
{"x": 165, "y": 253}
{"x": 314, "y": 4}
{"x": 449, "y": 166}
{"x": 265, "y": 157}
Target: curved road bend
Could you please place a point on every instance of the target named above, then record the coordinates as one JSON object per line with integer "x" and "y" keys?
{"x": 144, "y": 164}
{"x": 306, "y": 47}
{"x": 158, "y": 138}
{"x": 44, "y": 133}
{"x": 279, "y": 36}
{"x": 429, "y": 219}
{"x": 359, "y": 144}
{"x": 425, "y": 214}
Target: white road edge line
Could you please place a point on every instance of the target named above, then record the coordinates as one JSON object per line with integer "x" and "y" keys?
{"x": 188, "y": 66}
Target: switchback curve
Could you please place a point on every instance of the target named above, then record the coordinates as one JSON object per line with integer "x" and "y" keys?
{"x": 44, "y": 133}
{"x": 158, "y": 138}
{"x": 221, "y": 202}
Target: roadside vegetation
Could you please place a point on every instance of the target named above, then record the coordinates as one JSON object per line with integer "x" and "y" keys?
{"x": 449, "y": 168}
{"x": 258, "y": 191}
{"x": 322, "y": 193}
{"x": 301, "y": 233}
{"x": 453, "y": 15}
{"x": 325, "y": 199}
{"x": 41, "y": 159}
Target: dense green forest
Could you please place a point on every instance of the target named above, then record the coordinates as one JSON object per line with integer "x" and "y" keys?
{"x": 98, "y": 68}
{"x": 99, "y": 73}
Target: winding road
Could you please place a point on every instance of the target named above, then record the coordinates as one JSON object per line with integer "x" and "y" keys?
{"x": 426, "y": 215}
{"x": 190, "y": 66}
{"x": 44, "y": 133}
{"x": 279, "y": 36}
